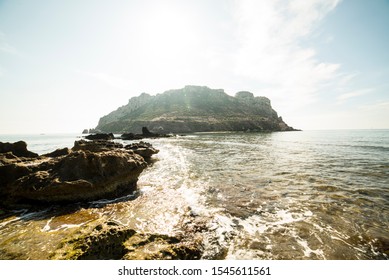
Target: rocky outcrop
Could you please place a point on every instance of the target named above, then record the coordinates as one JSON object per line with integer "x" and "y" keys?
{"x": 194, "y": 109}
{"x": 145, "y": 150}
{"x": 58, "y": 153}
{"x": 90, "y": 170}
{"x": 18, "y": 149}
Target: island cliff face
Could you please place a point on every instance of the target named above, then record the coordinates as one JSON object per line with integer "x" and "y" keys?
{"x": 194, "y": 109}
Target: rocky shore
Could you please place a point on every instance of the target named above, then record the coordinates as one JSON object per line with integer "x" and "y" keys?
{"x": 110, "y": 240}
{"x": 65, "y": 181}
{"x": 90, "y": 170}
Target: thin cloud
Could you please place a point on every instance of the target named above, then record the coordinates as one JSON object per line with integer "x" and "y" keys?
{"x": 344, "y": 97}
{"x": 271, "y": 53}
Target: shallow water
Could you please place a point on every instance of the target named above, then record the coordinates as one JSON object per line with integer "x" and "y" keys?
{"x": 292, "y": 195}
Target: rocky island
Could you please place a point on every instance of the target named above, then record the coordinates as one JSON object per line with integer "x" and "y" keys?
{"x": 194, "y": 109}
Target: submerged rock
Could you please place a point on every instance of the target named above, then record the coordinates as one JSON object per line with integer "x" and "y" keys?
{"x": 89, "y": 171}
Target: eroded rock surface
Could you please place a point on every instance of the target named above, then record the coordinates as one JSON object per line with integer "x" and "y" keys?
{"x": 110, "y": 240}
{"x": 90, "y": 170}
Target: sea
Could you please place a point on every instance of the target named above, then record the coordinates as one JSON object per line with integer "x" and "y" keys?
{"x": 301, "y": 195}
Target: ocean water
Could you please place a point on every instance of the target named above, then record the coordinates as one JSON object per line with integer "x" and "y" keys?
{"x": 43, "y": 143}
{"x": 284, "y": 195}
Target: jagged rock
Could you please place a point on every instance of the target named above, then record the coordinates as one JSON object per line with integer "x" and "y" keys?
{"x": 18, "y": 149}
{"x": 91, "y": 170}
{"x": 145, "y": 150}
{"x": 193, "y": 109}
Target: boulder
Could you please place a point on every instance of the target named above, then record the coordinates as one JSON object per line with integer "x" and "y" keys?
{"x": 18, "y": 149}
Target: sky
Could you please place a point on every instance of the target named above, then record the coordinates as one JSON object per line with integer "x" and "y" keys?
{"x": 64, "y": 64}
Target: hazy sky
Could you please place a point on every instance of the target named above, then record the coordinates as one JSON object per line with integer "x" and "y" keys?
{"x": 64, "y": 64}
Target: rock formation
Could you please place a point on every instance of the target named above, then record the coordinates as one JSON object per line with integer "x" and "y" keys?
{"x": 90, "y": 170}
{"x": 112, "y": 241}
{"x": 143, "y": 149}
{"x": 18, "y": 149}
{"x": 194, "y": 109}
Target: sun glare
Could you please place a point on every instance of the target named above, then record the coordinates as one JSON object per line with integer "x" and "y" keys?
{"x": 168, "y": 35}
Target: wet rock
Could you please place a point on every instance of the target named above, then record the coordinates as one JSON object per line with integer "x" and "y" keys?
{"x": 103, "y": 243}
{"x": 145, "y": 150}
{"x": 112, "y": 241}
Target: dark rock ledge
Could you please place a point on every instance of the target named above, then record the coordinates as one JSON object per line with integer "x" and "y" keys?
{"x": 90, "y": 170}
